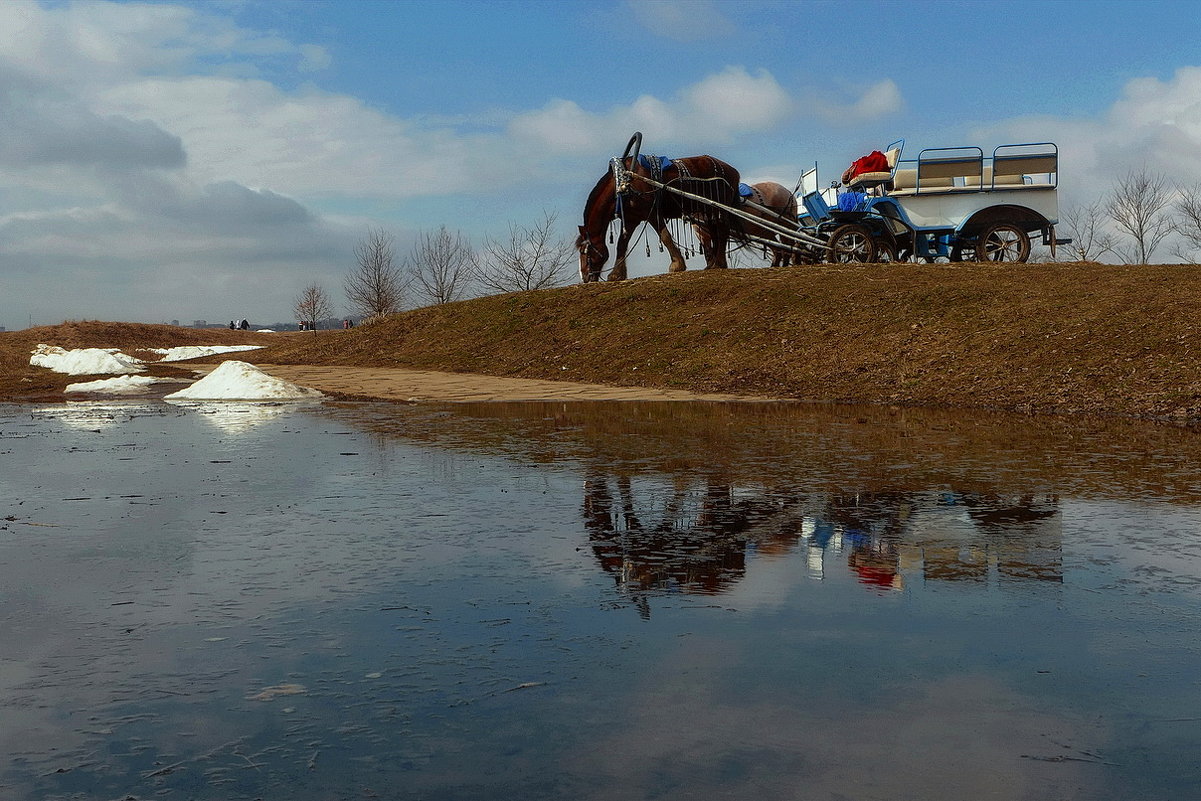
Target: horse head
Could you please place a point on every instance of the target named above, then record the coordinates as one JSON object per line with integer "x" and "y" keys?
{"x": 593, "y": 254}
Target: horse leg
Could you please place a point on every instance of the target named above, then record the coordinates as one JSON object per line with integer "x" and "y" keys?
{"x": 618, "y": 273}
{"x": 715, "y": 254}
{"x": 678, "y": 265}
{"x": 705, "y": 238}
{"x": 779, "y": 257}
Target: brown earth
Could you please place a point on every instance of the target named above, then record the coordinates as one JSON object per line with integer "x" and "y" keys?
{"x": 19, "y": 381}
{"x": 1079, "y": 338}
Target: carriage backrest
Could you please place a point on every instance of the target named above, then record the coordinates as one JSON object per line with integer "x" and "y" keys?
{"x": 1034, "y": 159}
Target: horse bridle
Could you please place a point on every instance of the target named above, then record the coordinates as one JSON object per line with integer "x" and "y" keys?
{"x": 585, "y": 247}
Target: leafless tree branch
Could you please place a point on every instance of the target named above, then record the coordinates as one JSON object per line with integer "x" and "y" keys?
{"x": 531, "y": 258}
{"x": 1139, "y": 206}
{"x": 1188, "y": 222}
{"x": 375, "y": 287}
{"x": 440, "y": 266}
{"x": 1090, "y": 240}
{"x": 313, "y": 305}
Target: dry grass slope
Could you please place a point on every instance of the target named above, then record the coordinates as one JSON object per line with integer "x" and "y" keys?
{"x": 1066, "y": 338}
{"x": 1063, "y": 338}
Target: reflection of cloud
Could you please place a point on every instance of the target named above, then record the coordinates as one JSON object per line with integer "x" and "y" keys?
{"x": 240, "y": 417}
{"x": 937, "y": 740}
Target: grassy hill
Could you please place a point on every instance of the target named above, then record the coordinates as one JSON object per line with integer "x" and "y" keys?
{"x": 1066, "y": 338}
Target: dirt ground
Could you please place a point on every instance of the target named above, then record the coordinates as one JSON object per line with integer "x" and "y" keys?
{"x": 399, "y": 384}
{"x": 1077, "y": 339}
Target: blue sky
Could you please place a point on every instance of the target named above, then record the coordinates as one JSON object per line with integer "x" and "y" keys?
{"x": 207, "y": 160}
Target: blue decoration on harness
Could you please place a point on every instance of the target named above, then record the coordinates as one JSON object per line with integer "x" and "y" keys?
{"x": 852, "y": 201}
{"x": 656, "y": 164}
{"x": 745, "y": 190}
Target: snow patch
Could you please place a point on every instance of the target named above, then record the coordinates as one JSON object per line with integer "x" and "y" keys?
{"x": 85, "y": 361}
{"x": 234, "y": 380}
{"x": 184, "y": 352}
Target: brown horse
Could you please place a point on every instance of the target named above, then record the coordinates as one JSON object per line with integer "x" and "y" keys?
{"x": 773, "y": 203}
{"x": 780, "y": 203}
{"x": 637, "y": 202}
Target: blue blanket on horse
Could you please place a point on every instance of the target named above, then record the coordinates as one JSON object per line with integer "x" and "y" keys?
{"x": 662, "y": 162}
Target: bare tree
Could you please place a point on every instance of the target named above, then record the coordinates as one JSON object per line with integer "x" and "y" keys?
{"x": 440, "y": 266}
{"x": 312, "y": 305}
{"x": 531, "y": 258}
{"x": 375, "y": 287}
{"x": 1139, "y": 207}
{"x": 1188, "y": 224}
{"x": 1090, "y": 240}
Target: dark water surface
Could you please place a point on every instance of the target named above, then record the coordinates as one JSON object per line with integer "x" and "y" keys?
{"x": 595, "y": 601}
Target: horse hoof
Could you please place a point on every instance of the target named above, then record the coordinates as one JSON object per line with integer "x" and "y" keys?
{"x": 677, "y": 268}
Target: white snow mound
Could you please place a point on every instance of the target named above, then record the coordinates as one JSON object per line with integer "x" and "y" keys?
{"x": 182, "y": 352}
{"x": 234, "y": 380}
{"x": 85, "y": 361}
{"x": 121, "y": 385}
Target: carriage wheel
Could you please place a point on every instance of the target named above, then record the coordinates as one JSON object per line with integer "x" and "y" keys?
{"x": 852, "y": 243}
{"x": 1003, "y": 242}
{"x": 963, "y": 253}
{"x": 886, "y": 251}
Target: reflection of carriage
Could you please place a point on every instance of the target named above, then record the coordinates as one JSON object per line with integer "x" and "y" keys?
{"x": 949, "y": 203}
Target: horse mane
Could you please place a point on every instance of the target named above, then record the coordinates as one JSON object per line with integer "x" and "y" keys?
{"x": 607, "y": 178}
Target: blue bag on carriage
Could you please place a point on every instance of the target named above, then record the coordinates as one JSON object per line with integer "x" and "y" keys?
{"x": 852, "y": 201}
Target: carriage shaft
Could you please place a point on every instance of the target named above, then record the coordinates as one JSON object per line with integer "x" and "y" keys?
{"x": 797, "y": 237}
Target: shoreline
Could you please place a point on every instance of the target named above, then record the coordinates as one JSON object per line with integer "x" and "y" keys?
{"x": 408, "y": 385}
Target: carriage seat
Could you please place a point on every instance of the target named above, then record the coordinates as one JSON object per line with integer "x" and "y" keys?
{"x": 905, "y": 183}
{"x": 990, "y": 180}
{"x": 869, "y": 180}
{"x": 958, "y": 172}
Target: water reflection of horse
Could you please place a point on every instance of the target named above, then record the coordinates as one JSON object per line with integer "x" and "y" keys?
{"x": 636, "y": 201}
{"x": 691, "y": 539}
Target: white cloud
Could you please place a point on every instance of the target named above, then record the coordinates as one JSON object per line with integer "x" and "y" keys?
{"x": 1154, "y": 125}
{"x": 734, "y": 100}
{"x": 95, "y": 43}
{"x": 45, "y": 127}
{"x": 716, "y": 109}
{"x": 878, "y": 100}
{"x": 682, "y": 20}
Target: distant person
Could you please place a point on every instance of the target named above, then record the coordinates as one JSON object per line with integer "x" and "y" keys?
{"x": 231, "y": 325}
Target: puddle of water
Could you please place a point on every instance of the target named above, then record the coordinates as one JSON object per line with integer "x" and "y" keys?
{"x": 595, "y": 601}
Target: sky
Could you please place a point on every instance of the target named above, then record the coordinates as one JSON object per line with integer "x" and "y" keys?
{"x": 208, "y": 160}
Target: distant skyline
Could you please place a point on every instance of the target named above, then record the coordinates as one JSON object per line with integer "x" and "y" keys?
{"x": 207, "y": 160}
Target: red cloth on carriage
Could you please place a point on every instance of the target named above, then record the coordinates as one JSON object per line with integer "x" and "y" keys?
{"x": 872, "y": 162}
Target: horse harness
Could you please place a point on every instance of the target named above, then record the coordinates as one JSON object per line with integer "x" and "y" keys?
{"x": 657, "y": 166}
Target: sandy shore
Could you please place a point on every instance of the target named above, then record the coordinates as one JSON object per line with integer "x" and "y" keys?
{"x": 403, "y": 385}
